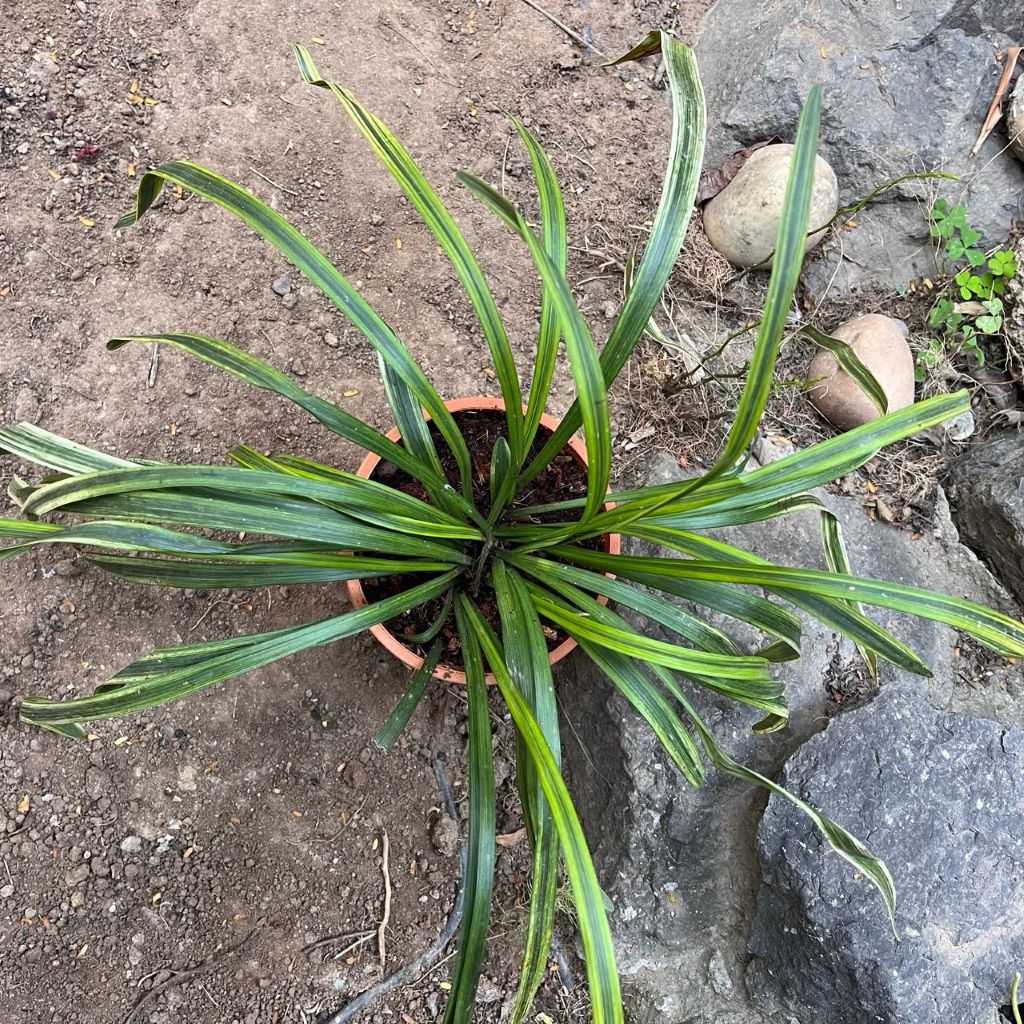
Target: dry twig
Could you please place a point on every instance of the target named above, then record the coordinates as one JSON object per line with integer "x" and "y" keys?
{"x": 386, "y": 917}
{"x": 995, "y": 108}
{"x": 575, "y": 36}
{"x": 180, "y": 977}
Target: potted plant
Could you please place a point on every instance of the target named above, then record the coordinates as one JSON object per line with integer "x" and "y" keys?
{"x": 456, "y": 557}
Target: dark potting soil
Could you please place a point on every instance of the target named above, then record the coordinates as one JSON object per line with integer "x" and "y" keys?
{"x": 561, "y": 480}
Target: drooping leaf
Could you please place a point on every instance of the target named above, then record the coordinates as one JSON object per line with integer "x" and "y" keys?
{"x": 851, "y": 365}
{"x": 686, "y": 155}
{"x": 310, "y": 261}
{"x": 602, "y": 977}
{"x": 231, "y": 359}
{"x": 178, "y": 671}
{"x": 428, "y": 204}
{"x": 526, "y": 657}
{"x": 583, "y": 358}
{"x": 479, "y": 881}
{"x": 399, "y": 718}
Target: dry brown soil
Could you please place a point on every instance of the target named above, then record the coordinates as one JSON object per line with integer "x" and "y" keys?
{"x": 257, "y": 810}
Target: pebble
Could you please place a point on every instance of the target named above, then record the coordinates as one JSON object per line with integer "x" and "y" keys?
{"x": 6, "y": 892}
{"x": 609, "y": 309}
{"x": 331, "y": 340}
{"x": 290, "y": 301}
{"x": 131, "y": 844}
{"x": 26, "y": 406}
{"x": 960, "y": 427}
{"x": 180, "y": 206}
{"x": 77, "y": 875}
{"x": 742, "y": 221}
{"x": 281, "y": 285}
{"x": 880, "y": 342}
{"x": 445, "y": 836}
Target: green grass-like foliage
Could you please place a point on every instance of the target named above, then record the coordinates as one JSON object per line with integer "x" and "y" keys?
{"x": 315, "y": 523}
{"x": 970, "y": 307}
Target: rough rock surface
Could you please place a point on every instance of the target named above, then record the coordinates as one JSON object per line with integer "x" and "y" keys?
{"x": 905, "y": 89}
{"x": 880, "y": 343}
{"x": 989, "y": 494}
{"x": 742, "y": 221}
{"x": 1015, "y": 119}
{"x": 679, "y": 863}
{"x": 935, "y": 796}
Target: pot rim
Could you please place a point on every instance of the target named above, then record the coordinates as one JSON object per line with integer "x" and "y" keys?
{"x": 357, "y": 597}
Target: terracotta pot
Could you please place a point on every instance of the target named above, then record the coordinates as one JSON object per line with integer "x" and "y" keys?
{"x": 449, "y": 673}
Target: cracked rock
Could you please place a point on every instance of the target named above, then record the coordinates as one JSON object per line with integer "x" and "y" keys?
{"x": 934, "y": 795}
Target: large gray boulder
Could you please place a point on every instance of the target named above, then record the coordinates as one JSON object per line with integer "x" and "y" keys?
{"x": 938, "y": 797}
{"x": 989, "y": 496}
{"x": 679, "y": 863}
{"x": 906, "y": 88}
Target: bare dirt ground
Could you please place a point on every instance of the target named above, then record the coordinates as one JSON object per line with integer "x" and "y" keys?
{"x": 253, "y": 814}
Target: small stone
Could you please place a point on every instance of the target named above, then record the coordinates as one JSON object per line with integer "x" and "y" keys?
{"x": 77, "y": 875}
{"x": 6, "y": 892}
{"x": 488, "y": 991}
{"x": 299, "y": 368}
{"x": 376, "y": 219}
{"x": 742, "y": 221}
{"x": 960, "y": 427}
{"x": 22, "y": 148}
{"x": 78, "y": 273}
{"x": 26, "y": 406}
{"x": 880, "y": 343}
{"x": 331, "y": 340}
{"x": 445, "y": 836}
{"x": 131, "y": 844}
{"x": 180, "y": 206}
{"x": 290, "y": 301}
{"x": 281, "y": 285}
{"x": 609, "y": 309}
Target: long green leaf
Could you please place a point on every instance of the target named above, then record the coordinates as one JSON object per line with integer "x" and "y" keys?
{"x": 839, "y": 614}
{"x": 32, "y": 443}
{"x": 996, "y": 631}
{"x": 653, "y": 607}
{"x": 766, "y": 694}
{"x": 309, "y": 260}
{"x": 753, "y": 672}
{"x": 685, "y": 158}
{"x": 789, "y": 254}
{"x": 790, "y": 475}
{"x": 481, "y": 845}
{"x": 348, "y": 494}
{"x": 583, "y": 358}
{"x": 838, "y": 561}
{"x": 231, "y": 359}
{"x": 553, "y": 235}
{"x": 399, "y": 718}
{"x": 428, "y": 204}
{"x": 602, "y": 977}
{"x": 851, "y": 365}
{"x": 100, "y": 534}
{"x": 195, "y": 574}
{"x": 847, "y": 846}
{"x": 526, "y": 657}
{"x": 267, "y": 514}
{"x": 178, "y": 671}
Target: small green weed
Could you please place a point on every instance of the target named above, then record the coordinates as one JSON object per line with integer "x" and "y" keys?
{"x": 971, "y": 306}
